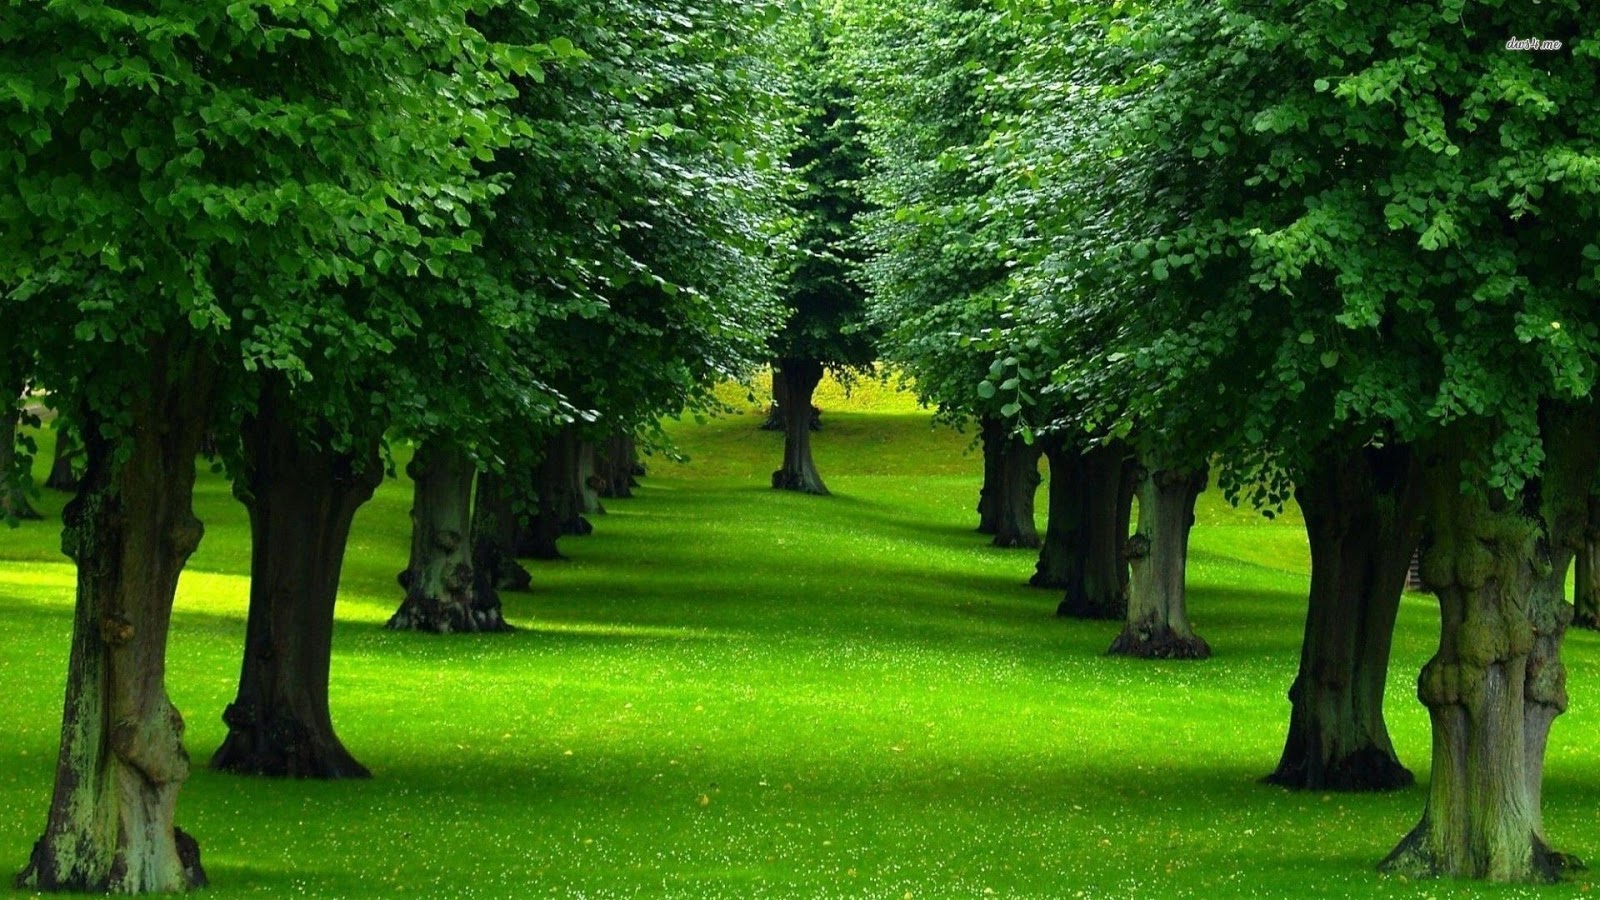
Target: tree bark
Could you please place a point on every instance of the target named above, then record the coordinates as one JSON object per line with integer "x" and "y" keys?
{"x": 538, "y": 534}
{"x": 1362, "y": 510}
{"x": 63, "y": 477}
{"x": 494, "y": 526}
{"x": 561, "y": 483}
{"x": 130, "y": 528}
{"x": 1497, "y": 565}
{"x": 1100, "y": 590}
{"x": 302, "y": 496}
{"x": 587, "y": 481}
{"x": 992, "y": 434}
{"x": 1586, "y": 580}
{"x": 1019, "y": 483}
{"x": 1061, "y": 558}
{"x": 14, "y": 480}
{"x": 441, "y": 594}
{"x": 800, "y": 378}
{"x": 1158, "y": 619}
{"x": 616, "y": 465}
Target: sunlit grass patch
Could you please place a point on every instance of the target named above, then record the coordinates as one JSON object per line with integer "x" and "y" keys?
{"x": 734, "y": 692}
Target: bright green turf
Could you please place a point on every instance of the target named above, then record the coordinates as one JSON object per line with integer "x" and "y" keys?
{"x": 731, "y": 692}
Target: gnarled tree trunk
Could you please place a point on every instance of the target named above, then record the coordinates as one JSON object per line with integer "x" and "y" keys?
{"x": 441, "y": 593}
{"x": 130, "y": 528}
{"x": 1362, "y": 510}
{"x": 1158, "y": 619}
{"x": 1586, "y": 578}
{"x": 800, "y": 378}
{"x": 992, "y": 436}
{"x": 14, "y": 480}
{"x": 302, "y": 496}
{"x": 1100, "y": 590}
{"x": 494, "y": 526}
{"x": 1498, "y": 682}
{"x": 1019, "y": 483}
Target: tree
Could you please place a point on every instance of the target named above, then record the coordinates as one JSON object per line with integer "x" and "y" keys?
{"x": 198, "y": 195}
{"x": 1362, "y": 510}
{"x": 937, "y": 279}
{"x": 1158, "y": 618}
{"x": 827, "y": 327}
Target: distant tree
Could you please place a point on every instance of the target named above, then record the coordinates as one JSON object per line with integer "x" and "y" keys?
{"x": 827, "y": 327}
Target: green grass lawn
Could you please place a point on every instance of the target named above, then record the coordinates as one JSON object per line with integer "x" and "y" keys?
{"x": 731, "y": 692}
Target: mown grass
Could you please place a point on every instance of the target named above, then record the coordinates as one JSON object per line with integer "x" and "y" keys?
{"x": 732, "y": 692}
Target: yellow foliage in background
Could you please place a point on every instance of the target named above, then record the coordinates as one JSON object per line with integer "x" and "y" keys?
{"x": 880, "y": 391}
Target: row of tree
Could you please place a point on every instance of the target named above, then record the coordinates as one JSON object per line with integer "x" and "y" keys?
{"x": 303, "y": 237}
{"x": 1331, "y": 253}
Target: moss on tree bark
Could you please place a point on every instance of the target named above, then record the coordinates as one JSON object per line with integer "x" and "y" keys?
{"x": 1497, "y": 565}
{"x": 131, "y": 528}
{"x": 442, "y": 595}
{"x": 1157, "y": 625}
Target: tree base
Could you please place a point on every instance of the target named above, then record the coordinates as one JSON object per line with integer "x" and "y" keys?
{"x": 1106, "y": 609}
{"x": 1016, "y": 542}
{"x": 282, "y": 747}
{"x": 795, "y": 481}
{"x": 1367, "y": 769}
{"x": 1586, "y": 621}
{"x": 577, "y": 526}
{"x": 434, "y": 617}
{"x": 1158, "y": 643}
{"x": 1052, "y": 582}
{"x": 513, "y": 577}
{"x": 41, "y": 874}
{"x": 1415, "y": 859}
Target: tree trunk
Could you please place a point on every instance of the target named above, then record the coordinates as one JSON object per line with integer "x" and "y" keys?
{"x": 130, "y": 528}
{"x": 441, "y": 594}
{"x": 1158, "y": 620}
{"x": 1061, "y": 558}
{"x": 1126, "y": 479}
{"x": 1586, "y": 580}
{"x": 587, "y": 481}
{"x": 302, "y": 496}
{"x": 1497, "y": 683}
{"x": 800, "y": 378}
{"x": 62, "y": 475}
{"x": 1019, "y": 483}
{"x": 616, "y": 465}
{"x": 14, "y": 480}
{"x": 538, "y": 534}
{"x": 774, "y": 420}
{"x": 992, "y": 433}
{"x": 562, "y": 483}
{"x": 1101, "y": 589}
{"x": 1363, "y": 517}
{"x": 494, "y": 526}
